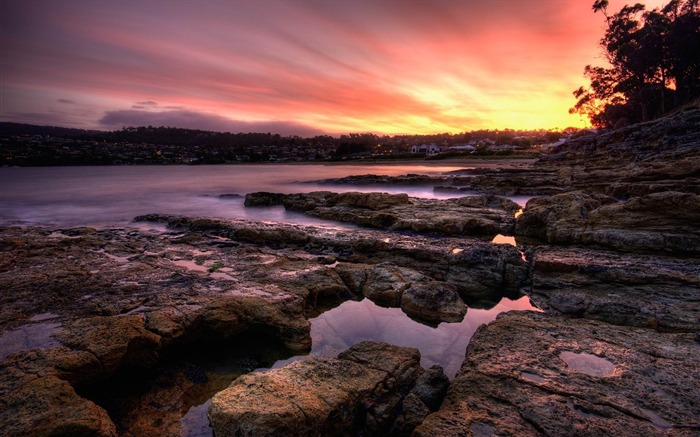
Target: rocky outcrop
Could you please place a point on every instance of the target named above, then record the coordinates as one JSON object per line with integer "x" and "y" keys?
{"x": 658, "y": 222}
{"x": 478, "y": 215}
{"x": 371, "y": 179}
{"x": 653, "y": 291}
{"x": 116, "y": 300}
{"x": 476, "y": 268}
{"x": 359, "y": 392}
{"x": 565, "y": 376}
{"x": 657, "y": 156}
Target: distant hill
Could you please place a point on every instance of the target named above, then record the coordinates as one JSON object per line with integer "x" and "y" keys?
{"x": 7, "y": 128}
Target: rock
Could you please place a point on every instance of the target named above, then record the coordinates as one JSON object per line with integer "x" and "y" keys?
{"x": 318, "y": 396}
{"x": 527, "y": 181}
{"x": 431, "y": 387}
{"x": 47, "y": 405}
{"x": 636, "y": 160}
{"x": 114, "y": 341}
{"x": 476, "y": 267}
{"x": 384, "y": 283}
{"x": 119, "y": 299}
{"x": 658, "y": 222}
{"x": 230, "y": 316}
{"x": 564, "y": 376}
{"x": 477, "y": 215}
{"x": 558, "y": 218}
{"x": 374, "y": 201}
{"x": 262, "y": 198}
{"x": 433, "y": 302}
{"x": 371, "y": 179}
{"x": 653, "y": 291}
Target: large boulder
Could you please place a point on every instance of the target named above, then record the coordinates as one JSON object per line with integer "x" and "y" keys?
{"x": 357, "y": 392}
{"x": 433, "y": 302}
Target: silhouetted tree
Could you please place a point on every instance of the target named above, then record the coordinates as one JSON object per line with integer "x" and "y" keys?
{"x": 654, "y": 59}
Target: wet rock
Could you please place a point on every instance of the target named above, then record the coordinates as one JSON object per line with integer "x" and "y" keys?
{"x": 418, "y": 296}
{"x": 263, "y": 198}
{"x": 114, "y": 341}
{"x": 47, "y": 405}
{"x": 371, "y": 179}
{"x": 384, "y": 283}
{"x": 653, "y": 291}
{"x": 476, "y": 267}
{"x": 431, "y": 387}
{"x": 480, "y": 215}
{"x": 564, "y": 376}
{"x": 121, "y": 298}
{"x": 661, "y": 222}
{"x": 433, "y": 302}
{"x": 318, "y": 396}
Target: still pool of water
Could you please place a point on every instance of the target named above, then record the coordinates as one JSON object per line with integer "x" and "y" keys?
{"x": 355, "y": 321}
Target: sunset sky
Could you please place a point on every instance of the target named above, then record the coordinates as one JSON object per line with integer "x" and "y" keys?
{"x": 300, "y": 67}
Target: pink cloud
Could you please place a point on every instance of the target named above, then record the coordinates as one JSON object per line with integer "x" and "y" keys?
{"x": 196, "y": 120}
{"x": 337, "y": 64}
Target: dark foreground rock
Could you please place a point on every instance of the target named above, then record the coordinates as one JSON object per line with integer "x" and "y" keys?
{"x": 80, "y": 306}
{"x": 564, "y": 376}
{"x": 477, "y": 215}
{"x": 360, "y": 392}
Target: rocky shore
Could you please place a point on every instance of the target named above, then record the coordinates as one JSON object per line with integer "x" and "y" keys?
{"x": 609, "y": 249}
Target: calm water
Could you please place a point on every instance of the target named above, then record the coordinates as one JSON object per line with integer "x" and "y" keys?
{"x": 95, "y": 196}
{"x": 115, "y": 195}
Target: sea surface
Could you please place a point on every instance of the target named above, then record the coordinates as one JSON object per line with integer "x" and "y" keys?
{"x": 114, "y": 195}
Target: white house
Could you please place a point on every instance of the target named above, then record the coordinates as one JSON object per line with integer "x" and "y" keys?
{"x": 428, "y": 149}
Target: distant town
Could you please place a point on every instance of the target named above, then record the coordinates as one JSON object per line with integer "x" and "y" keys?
{"x": 30, "y": 145}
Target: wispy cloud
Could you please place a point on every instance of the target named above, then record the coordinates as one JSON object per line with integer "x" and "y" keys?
{"x": 381, "y": 65}
{"x": 197, "y": 120}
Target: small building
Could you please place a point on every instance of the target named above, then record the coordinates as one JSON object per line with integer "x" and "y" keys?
{"x": 426, "y": 149}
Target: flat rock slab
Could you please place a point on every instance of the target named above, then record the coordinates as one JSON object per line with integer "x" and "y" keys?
{"x": 474, "y": 215}
{"x": 531, "y": 374}
{"x": 653, "y": 291}
{"x": 666, "y": 222}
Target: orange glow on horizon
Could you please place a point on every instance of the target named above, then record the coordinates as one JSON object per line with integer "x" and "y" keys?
{"x": 298, "y": 67}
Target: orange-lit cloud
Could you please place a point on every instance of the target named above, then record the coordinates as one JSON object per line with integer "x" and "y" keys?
{"x": 301, "y": 66}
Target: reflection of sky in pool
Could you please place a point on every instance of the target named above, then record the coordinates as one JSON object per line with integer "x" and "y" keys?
{"x": 354, "y": 322}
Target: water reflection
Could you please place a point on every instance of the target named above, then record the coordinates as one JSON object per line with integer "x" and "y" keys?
{"x": 354, "y": 322}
